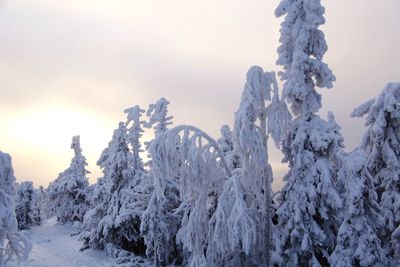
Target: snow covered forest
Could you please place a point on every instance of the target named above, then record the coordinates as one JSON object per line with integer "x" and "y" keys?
{"x": 186, "y": 199}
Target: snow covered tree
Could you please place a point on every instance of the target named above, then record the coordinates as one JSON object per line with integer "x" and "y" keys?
{"x": 115, "y": 218}
{"x": 134, "y": 196}
{"x": 357, "y": 241}
{"x": 193, "y": 162}
{"x": 309, "y": 199}
{"x": 159, "y": 225}
{"x": 67, "y": 193}
{"x": 250, "y": 144}
{"x": 382, "y": 145}
{"x": 88, "y": 232}
{"x": 12, "y": 243}
{"x": 27, "y": 208}
{"x": 114, "y": 162}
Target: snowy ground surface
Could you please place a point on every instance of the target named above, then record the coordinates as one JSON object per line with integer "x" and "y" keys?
{"x": 53, "y": 246}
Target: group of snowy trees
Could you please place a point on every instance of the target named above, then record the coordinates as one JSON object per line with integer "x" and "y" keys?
{"x": 202, "y": 202}
{"x": 196, "y": 201}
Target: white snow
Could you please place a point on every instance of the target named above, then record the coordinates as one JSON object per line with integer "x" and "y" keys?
{"x": 53, "y": 246}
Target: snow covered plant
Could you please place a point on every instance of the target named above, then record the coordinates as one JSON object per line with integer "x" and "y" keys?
{"x": 99, "y": 220}
{"x": 309, "y": 199}
{"x": 134, "y": 196}
{"x": 250, "y": 144}
{"x": 357, "y": 241}
{"x": 27, "y": 205}
{"x": 120, "y": 196}
{"x": 12, "y": 243}
{"x": 67, "y": 193}
{"x": 382, "y": 145}
{"x": 186, "y": 158}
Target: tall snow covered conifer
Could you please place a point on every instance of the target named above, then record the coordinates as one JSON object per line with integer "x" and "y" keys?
{"x": 240, "y": 231}
{"x": 114, "y": 163}
{"x": 163, "y": 199}
{"x": 382, "y": 145}
{"x": 67, "y": 193}
{"x": 114, "y": 221}
{"x": 12, "y": 243}
{"x": 309, "y": 199}
{"x": 250, "y": 142}
{"x": 134, "y": 196}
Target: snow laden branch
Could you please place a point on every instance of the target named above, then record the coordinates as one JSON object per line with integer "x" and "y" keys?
{"x": 233, "y": 227}
{"x": 212, "y": 144}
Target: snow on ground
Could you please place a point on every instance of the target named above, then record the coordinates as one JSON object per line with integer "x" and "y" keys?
{"x": 53, "y": 246}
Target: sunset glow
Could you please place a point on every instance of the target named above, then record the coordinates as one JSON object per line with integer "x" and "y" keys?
{"x": 44, "y": 128}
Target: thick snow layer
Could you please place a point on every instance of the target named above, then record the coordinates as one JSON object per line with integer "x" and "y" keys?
{"x": 53, "y": 246}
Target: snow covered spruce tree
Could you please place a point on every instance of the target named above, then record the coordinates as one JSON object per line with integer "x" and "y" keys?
{"x": 134, "y": 195}
{"x": 175, "y": 224}
{"x": 150, "y": 228}
{"x": 140, "y": 192}
{"x": 27, "y": 205}
{"x": 12, "y": 243}
{"x": 114, "y": 164}
{"x": 114, "y": 221}
{"x": 241, "y": 229}
{"x": 309, "y": 199}
{"x": 67, "y": 193}
{"x": 382, "y": 145}
{"x": 357, "y": 241}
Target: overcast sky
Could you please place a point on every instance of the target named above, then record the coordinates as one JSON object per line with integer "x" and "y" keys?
{"x": 72, "y": 67}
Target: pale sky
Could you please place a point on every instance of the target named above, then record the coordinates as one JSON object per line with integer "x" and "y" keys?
{"x": 72, "y": 67}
